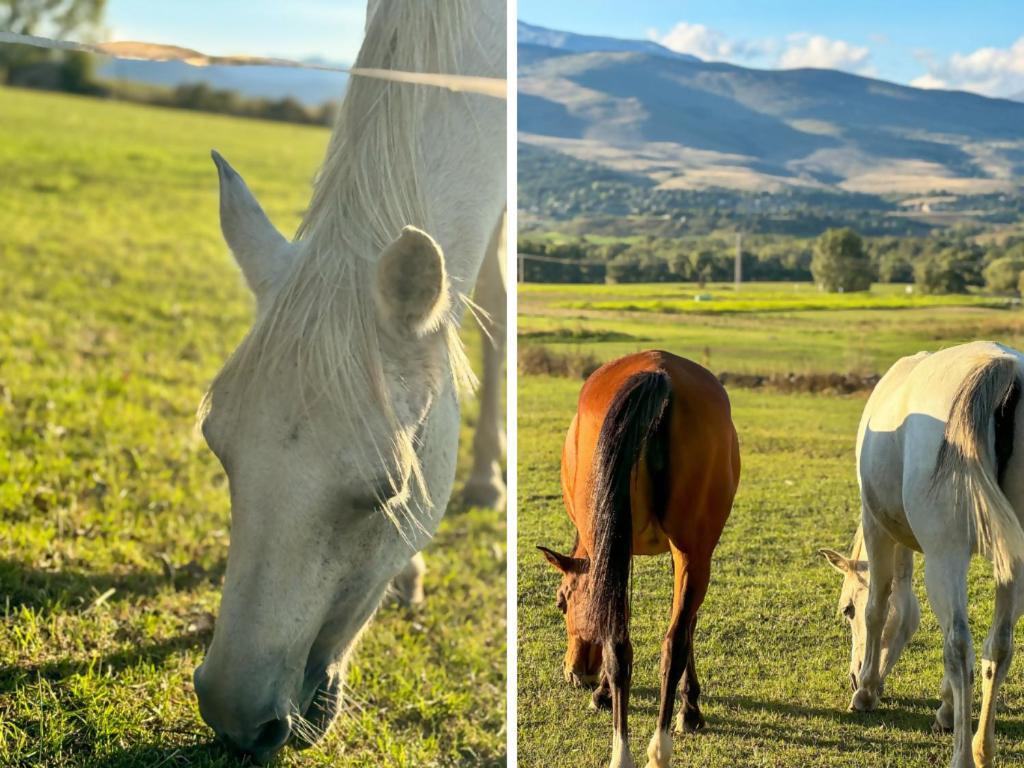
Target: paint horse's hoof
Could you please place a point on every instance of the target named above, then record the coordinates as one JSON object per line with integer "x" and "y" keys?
{"x": 864, "y": 701}
{"x": 690, "y": 721}
{"x": 943, "y": 719}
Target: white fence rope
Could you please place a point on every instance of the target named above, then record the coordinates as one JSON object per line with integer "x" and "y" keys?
{"x": 494, "y": 87}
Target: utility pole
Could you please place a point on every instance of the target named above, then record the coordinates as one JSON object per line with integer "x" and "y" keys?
{"x": 739, "y": 259}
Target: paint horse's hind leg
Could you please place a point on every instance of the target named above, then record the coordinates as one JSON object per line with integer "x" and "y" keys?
{"x": 486, "y": 484}
{"x": 946, "y": 578}
{"x": 995, "y": 661}
{"x": 690, "y": 585}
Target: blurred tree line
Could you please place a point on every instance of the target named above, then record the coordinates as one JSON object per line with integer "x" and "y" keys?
{"x": 33, "y": 67}
{"x": 839, "y": 259}
{"x": 74, "y": 72}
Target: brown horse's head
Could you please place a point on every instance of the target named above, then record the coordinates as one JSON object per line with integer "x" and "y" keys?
{"x": 583, "y": 656}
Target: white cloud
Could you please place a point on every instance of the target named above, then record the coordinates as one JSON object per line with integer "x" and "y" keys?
{"x": 804, "y": 50}
{"x": 929, "y": 81}
{"x": 710, "y": 44}
{"x": 797, "y": 50}
{"x": 990, "y": 71}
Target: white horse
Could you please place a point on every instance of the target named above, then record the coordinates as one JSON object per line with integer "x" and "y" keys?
{"x": 939, "y": 474}
{"x": 337, "y": 419}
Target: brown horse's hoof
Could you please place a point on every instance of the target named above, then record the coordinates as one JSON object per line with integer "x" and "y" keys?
{"x": 690, "y": 721}
{"x": 601, "y": 699}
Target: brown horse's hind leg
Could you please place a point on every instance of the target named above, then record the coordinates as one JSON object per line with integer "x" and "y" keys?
{"x": 690, "y": 719}
{"x": 690, "y": 586}
{"x": 618, "y": 666}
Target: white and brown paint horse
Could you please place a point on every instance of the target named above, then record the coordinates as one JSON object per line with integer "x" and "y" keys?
{"x": 941, "y": 472}
{"x": 337, "y": 418}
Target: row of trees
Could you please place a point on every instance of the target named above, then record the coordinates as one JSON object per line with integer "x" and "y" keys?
{"x": 842, "y": 263}
{"x": 838, "y": 260}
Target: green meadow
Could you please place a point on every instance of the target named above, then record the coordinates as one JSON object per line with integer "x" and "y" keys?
{"x": 772, "y": 653}
{"x": 762, "y": 328}
{"x": 120, "y": 302}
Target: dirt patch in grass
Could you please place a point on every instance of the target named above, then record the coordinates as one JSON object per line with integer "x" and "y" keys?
{"x": 540, "y": 361}
{"x": 830, "y": 383}
{"x": 577, "y": 335}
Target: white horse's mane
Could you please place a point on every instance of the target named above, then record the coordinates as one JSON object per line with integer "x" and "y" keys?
{"x": 322, "y": 317}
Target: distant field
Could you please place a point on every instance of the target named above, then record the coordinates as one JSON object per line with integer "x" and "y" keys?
{"x": 771, "y": 651}
{"x": 764, "y": 327}
{"x": 120, "y": 302}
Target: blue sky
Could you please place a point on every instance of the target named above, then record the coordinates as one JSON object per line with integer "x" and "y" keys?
{"x": 975, "y": 45}
{"x": 329, "y": 29}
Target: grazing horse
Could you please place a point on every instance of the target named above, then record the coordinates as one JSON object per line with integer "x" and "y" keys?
{"x": 938, "y": 475}
{"x": 337, "y": 418}
{"x": 650, "y": 465}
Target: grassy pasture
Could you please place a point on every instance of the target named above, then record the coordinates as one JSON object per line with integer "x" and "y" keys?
{"x": 120, "y": 302}
{"x": 766, "y": 328}
{"x": 771, "y": 652}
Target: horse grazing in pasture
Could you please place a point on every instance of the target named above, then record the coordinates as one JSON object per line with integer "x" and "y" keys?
{"x": 337, "y": 418}
{"x": 650, "y": 465}
{"x": 939, "y": 474}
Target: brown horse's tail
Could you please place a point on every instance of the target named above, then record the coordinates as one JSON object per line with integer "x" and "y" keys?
{"x": 982, "y": 419}
{"x": 630, "y": 431}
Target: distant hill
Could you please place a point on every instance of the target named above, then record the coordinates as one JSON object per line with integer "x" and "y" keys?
{"x": 309, "y": 86}
{"x": 570, "y": 42}
{"x": 689, "y": 124}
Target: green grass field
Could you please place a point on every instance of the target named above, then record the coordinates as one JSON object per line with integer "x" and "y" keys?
{"x": 766, "y": 328}
{"x": 120, "y": 301}
{"x": 771, "y": 651}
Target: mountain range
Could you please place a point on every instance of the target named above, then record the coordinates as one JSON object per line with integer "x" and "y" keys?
{"x": 636, "y": 107}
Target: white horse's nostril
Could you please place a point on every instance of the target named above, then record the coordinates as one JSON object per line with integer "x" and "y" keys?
{"x": 271, "y": 736}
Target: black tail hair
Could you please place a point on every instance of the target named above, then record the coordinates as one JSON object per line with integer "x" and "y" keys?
{"x": 630, "y": 428}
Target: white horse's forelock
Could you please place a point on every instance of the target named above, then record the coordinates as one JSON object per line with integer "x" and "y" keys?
{"x": 322, "y": 316}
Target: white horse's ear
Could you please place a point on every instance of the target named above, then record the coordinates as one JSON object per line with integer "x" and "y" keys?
{"x": 412, "y": 286}
{"x": 260, "y": 250}
{"x": 836, "y": 560}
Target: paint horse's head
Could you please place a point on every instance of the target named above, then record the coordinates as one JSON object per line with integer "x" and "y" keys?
{"x": 900, "y": 622}
{"x": 582, "y": 665}
{"x": 319, "y": 420}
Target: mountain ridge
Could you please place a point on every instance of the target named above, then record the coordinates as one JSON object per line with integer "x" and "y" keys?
{"x": 690, "y": 124}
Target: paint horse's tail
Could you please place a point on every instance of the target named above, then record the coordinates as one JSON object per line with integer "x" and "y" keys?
{"x": 982, "y": 418}
{"x": 630, "y": 431}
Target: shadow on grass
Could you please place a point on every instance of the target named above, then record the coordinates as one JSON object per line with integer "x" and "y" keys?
{"x": 210, "y": 754}
{"x": 895, "y": 714}
{"x": 70, "y": 590}
{"x": 14, "y": 677}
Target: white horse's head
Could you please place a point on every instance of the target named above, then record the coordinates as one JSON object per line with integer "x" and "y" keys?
{"x": 322, "y": 420}
{"x": 900, "y": 622}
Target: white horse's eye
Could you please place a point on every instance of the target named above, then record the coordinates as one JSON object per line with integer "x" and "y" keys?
{"x": 849, "y": 611}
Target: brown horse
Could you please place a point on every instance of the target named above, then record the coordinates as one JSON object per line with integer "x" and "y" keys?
{"x": 650, "y": 465}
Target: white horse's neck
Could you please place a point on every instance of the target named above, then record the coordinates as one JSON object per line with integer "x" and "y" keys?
{"x": 418, "y": 155}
